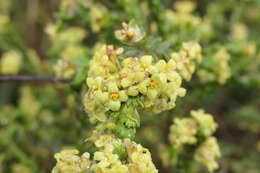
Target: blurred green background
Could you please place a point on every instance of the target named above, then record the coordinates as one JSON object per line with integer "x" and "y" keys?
{"x": 37, "y": 119}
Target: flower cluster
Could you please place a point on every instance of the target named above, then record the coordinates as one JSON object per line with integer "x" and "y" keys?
{"x": 219, "y": 68}
{"x": 67, "y": 44}
{"x": 183, "y": 13}
{"x": 68, "y": 161}
{"x": 103, "y": 81}
{"x": 183, "y": 132}
{"x": 207, "y": 153}
{"x": 11, "y": 62}
{"x": 186, "y": 59}
{"x": 145, "y": 78}
{"x": 68, "y": 36}
{"x": 28, "y": 98}
{"x": 97, "y": 16}
{"x": 64, "y": 69}
{"x": 112, "y": 156}
{"x": 222, "y": 69}
{"x": 69, "y": 6}
{"x": 239, "y": 32}
{"x": 112, "y": 81}
{"x": 162, "y": 86}
{"x": 207, "y": 125}
{"x": 139, "y": 158}
{"x": 4, "y": 19}
{"x": 183, "y": 16}
{"x": 190, "y": 131}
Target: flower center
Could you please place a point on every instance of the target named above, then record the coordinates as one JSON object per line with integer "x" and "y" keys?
{"x": 123, "y": 75}
{"x": 114, "y": 96}
{"x": 153, "y": 84}
{"x": 111, "y": 53}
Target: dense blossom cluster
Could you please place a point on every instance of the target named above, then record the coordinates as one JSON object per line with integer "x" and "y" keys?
{"x": 183, "y": 15}
{"x": 219, "y": 68}
{"x": 149, "y": 66}
{"x": 112, "y": 156}
{"x": 207, "y": 153}
{"x": 67, "y": 44}
{"x": 104, "y": 93}
{"x": 157, "y": 84}
{"x": 113, "y": 80}
{"x": 199, "y": 126}
{"x": 183, "y": 132}
{"x": 207, "y": 125}
{"x": 68, "y": 161}
{"x": 240, "y": 35}
{"x": 186, "y": 59}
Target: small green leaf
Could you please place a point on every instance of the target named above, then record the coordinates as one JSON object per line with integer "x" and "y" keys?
{"x": 80, "y": 77}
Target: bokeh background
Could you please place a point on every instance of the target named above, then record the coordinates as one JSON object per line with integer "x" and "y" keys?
{"x": 37, "y": 119}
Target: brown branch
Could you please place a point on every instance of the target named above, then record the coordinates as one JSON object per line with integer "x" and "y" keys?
{"x": 25, "y": 78}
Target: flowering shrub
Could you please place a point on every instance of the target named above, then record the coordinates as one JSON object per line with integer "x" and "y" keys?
{"x": 136, "y": 86}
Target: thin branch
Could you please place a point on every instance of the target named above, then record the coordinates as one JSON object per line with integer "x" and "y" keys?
{"x": 25, "y": 78}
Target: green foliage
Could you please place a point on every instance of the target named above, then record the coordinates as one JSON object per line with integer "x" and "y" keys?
{"x": 138, "y": 71}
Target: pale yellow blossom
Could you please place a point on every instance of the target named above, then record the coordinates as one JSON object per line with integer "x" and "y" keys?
{"x": 207, "y": 153}
{"x": 11, "y": 62}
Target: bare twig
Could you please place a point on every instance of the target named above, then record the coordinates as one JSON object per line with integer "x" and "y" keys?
{"x": 25, "y": 78}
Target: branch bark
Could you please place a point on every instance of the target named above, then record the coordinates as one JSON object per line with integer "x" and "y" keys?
{"x": 26, "y": 78}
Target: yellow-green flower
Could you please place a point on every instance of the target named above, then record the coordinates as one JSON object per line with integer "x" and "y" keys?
{"x": 64, "y": 69}
{"x": 218, "y": 68}
{"x": 183, "y": 131}
{"x": 11, "y": 62}
{"x": 72, "y": 51}
{"x": 239, "y": 32}
{"x": 207, "y": 153}
{"x": 186, "y": 59}
{"x": 28, "y": 103}
{"x": 4, "y": 19}
{"x": 183, "y": 14}
{"x": 249, "y": 48}
{"x": 134, "y": 70}
{"x": 71, "y": 35}
{"x": 69, "y": 161}
{"x": 130, "y": 33}
{"x": 206, "y": 123}
{"x": 139, "y": 158}
{"x": 97, "y": 15}
{"x": 106, "y": 159}
{"x": 162, "y": 87}
{"x": 104, "y": 92}
{"x": 184, "y": 6}
{"x": 223, "y": 69}
{"x": 105, "y": 62}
